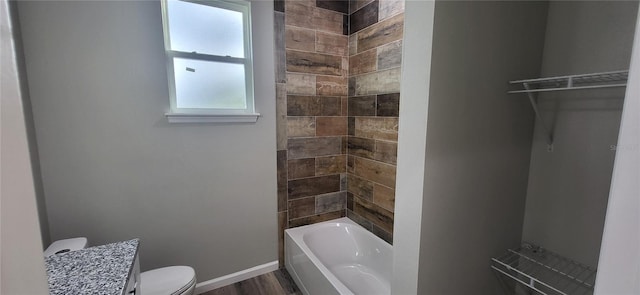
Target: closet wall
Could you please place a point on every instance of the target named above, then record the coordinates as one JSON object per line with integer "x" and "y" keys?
{"x": 569, "y": 187}
{"x": 485, "y": 161}
{"x": 478, "y": 141}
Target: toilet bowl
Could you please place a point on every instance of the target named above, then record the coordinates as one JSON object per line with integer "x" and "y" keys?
{"x": 172, "y": 280}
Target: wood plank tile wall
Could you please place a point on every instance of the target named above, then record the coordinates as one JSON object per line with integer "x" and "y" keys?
{"x": 337, "y": 89}
{"x": 375, "y": 54}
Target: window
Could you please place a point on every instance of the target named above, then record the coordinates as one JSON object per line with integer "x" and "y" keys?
{"x": 209, "y": 65}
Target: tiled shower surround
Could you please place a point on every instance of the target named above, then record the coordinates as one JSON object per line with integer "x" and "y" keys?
{"x": 337, "y": 84}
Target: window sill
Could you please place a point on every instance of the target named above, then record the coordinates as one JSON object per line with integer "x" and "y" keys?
{"x": 212, "y": 118}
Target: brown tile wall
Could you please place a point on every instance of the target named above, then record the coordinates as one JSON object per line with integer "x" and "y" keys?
{"x": 337, "y": 95}
{"x": 375, "y": 54}
{"x": 312, "y": 59}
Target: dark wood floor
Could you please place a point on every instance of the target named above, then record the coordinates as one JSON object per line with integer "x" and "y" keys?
{"x": 278, "y": 282}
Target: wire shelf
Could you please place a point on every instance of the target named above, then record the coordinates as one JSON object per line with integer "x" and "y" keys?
{"x": 545, "y": 272}
{"x": 573, "y": 82}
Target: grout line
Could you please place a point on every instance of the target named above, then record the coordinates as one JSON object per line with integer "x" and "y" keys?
{"x": 354, "y": 175}
{"x": 386, "y": 93}
{"x": 315, "y": 29}
{"x": 374, "y": 139}
{"x": 315, "y": 214}
{"x": 342, "y": 13}
{"x": 327, "y": 136}
{"x": 389, "y": 16}
{"x": 309, "y": 177}
{"x": 374, "y": 72}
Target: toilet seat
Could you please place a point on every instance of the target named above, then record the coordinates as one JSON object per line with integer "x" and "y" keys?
{"x": 172, "y": 280}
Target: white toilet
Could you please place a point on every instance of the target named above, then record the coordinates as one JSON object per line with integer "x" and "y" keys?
{"x": 66, "y": 245}
{"x": 172, "y": 280}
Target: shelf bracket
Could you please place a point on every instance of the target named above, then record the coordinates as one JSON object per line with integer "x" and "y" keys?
{"x": 534, "y": 104}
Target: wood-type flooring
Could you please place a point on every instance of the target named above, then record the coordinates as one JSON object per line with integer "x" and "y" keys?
{"x": 278, "y": 282}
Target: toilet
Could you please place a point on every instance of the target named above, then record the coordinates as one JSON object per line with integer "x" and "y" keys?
{"x": 171, "y": 280}
{"x": 66, "y": 245}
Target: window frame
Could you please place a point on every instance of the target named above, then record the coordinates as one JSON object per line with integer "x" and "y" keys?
{"x": 190, "y": 115}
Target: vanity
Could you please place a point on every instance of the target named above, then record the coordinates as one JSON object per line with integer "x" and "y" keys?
{"x": 112, "y": 269}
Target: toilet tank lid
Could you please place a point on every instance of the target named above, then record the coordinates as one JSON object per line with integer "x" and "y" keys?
{"x": 66, "y": 245}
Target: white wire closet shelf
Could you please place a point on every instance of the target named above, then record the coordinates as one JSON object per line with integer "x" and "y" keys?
{"x": 573, "y": 82}
{"x": 544, "y": 271}
{"x": 532, "y": 87}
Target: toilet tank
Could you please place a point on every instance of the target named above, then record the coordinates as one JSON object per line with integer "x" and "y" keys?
{"x": 66, "y": 245}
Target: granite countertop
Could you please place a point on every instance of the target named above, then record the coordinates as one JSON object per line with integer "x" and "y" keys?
{"x": 96, "y": 270}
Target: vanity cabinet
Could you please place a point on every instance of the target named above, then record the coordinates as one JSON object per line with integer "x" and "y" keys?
{"x": 111, "y": 269}
{"x": 133, "y": 284}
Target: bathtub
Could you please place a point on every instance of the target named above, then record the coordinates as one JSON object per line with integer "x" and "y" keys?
{"x": 338, "y": 257}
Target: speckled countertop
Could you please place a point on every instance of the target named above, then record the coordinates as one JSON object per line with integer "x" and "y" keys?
{"x": 95, "y": 270}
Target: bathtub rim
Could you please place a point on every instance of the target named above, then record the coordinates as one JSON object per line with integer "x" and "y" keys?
{"x": 296, "y": 234}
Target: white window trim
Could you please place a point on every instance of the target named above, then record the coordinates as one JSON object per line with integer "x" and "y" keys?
{"x": 188, "y": 115}
{"x": 211, "y": 118}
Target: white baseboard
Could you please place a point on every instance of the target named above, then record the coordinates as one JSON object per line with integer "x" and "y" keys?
{"x": 235, "y": 277}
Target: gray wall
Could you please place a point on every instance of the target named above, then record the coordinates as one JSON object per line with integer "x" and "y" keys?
{"x": 412, "y": 136}
{"x": 22, "y": 268}
{"x": 113, "y": 168}
{"x": 31, "y": 131}
{"x": 619, "y": 266}
{"x": 478, "y": 141}
{"x": 568, "y": 188}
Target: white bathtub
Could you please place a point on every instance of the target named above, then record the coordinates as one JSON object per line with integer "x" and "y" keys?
{"x": 338, "y": 257}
